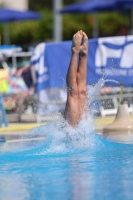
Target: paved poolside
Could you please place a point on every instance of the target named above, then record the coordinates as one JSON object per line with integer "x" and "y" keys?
{"x": 17, "y": 127}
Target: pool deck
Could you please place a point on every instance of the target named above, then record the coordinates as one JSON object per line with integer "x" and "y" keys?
{"x": 15, "y": 129}
{"x": 29, "y": 122}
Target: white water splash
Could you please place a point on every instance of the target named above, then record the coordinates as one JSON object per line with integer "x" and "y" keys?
{"x": 58, "y": 137}
{"x": 63, "y": 138}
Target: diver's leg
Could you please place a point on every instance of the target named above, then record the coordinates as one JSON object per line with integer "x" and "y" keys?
{"x": 72, "y": 108}
{"x": 82, "y": 74}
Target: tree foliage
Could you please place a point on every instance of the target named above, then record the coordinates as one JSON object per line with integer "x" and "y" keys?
{"x": 33, "y": 32}
{"x": 47, "y": 4}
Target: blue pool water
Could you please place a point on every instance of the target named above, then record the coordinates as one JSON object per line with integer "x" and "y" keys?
{"x": 70, "y": 164}
{"x": 67, "y": 164}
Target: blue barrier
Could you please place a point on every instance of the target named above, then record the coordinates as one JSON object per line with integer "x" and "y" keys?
{"x": 110, "y": 58}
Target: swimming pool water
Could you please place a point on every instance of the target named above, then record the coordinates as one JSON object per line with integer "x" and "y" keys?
{"x": 93, "y": 174}
{"x": 76, "y": 166}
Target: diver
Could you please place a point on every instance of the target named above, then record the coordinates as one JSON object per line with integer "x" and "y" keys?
{"x": 76, "y": 79}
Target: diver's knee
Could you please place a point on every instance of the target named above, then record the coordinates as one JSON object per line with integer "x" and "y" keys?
{"x": 82, "y": 92}
{"x": 73, "y": 91}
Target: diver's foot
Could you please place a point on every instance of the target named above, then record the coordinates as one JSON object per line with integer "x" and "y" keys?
{"x": 84, "y": 45}
{"x": 76, "y": 42}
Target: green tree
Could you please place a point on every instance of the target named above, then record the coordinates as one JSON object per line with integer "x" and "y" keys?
{"x": 47, "y": 4}
{"x": 33, "y": 32}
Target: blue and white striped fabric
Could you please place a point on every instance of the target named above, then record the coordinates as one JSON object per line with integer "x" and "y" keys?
{"x": 41, "y": 76}
{"x": 38, "y": 69}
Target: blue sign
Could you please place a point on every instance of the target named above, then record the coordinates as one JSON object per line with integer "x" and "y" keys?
{"x": 110, "y": 58}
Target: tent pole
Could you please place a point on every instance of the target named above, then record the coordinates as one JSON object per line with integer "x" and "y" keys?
{"x": 6, "y": 33}
{"x": 95, "y": 26}
{"x": 57, "y": 20}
